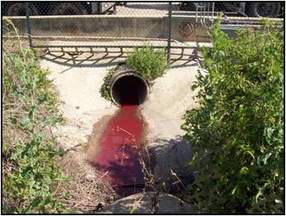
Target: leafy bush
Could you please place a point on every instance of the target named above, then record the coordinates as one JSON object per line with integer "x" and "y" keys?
{"x": 30, "y": 172}
{"x": 237, "y": 133}
{"x": 148, "y": 62}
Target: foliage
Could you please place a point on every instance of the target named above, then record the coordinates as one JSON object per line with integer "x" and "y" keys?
{"x": 237, "y": 133}
{"x": 30, "y": 172}
{"x": 105, "y": 87}
{"x": 148, "y": 62}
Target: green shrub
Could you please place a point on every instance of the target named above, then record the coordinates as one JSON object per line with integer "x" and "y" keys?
{"x": 237, "y": 133}
{"x": 30, "y": 172}
{"x": 148, "y": 62}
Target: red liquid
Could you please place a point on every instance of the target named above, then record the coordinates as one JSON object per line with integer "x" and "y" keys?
{"x": 119, "y": 148}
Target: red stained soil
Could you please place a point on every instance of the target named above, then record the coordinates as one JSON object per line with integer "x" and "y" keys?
{"x": 118, "y": 151}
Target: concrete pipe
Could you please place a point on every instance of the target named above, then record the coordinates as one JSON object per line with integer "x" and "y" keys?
{"x": 128, "y": 87}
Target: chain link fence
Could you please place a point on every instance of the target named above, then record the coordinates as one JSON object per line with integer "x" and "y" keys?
{"x": 101, "y": 25}
{"x": 121, "y": 26}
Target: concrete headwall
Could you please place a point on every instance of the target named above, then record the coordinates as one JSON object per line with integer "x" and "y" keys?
{"x": 108, "y": 26}
{"x": 184, "y": 28}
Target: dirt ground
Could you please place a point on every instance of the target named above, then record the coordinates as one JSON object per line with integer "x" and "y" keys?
{"x": 170, "y": 97}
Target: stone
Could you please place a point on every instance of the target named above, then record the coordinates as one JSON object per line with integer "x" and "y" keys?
{"x": 168, "y": 160}
{"x": 149, "y": 203}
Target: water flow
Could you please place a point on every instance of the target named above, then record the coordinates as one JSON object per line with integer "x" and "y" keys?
{"x": 119, "y": 148}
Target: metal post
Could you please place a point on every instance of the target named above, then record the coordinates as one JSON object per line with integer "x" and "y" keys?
{"x": 169, "y": 30}
{"x": 99, "y": 11}
{"x": 213, "y": 7}
{"x": 28, "y": 24}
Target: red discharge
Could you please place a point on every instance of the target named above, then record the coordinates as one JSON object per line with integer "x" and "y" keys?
{"x": 119, "y": 151}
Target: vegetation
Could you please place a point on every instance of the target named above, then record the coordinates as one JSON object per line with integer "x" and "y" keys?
{"x": 146, "y": 61}
{"x": 105, "y": 88}
{"x": 237, "y": 133}
{"x": 30, "y": 172}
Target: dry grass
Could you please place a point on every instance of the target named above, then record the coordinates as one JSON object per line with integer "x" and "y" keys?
{"x": 86, "y": 188}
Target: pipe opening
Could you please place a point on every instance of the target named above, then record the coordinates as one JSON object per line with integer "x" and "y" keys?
{"x": 129, "y": 90}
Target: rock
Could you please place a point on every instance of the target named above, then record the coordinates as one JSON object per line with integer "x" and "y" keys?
{"x": 149, "y": 203}
{"x": 169, "y": 162}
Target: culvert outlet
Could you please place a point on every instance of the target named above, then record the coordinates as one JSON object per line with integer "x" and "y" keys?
{"x": 128, "y": 88}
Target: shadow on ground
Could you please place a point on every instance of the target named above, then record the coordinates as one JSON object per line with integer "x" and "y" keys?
{"x": 102, "y": 59}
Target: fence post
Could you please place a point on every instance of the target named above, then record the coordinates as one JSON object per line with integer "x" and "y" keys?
{"x": 28, "y": 24}
{"x": 169, "y": 30}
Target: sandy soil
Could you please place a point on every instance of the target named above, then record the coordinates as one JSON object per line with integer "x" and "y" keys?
{"x": 81, "y": 103}
{"x": 170, "y": 97}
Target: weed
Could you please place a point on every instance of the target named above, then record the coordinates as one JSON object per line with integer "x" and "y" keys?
{"x": 148, "y": 62}
{"x": 30, "y": 172}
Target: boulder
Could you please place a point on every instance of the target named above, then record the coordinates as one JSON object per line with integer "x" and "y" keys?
{"x": 149, "y": 203}
{"x": 168, "y": 160}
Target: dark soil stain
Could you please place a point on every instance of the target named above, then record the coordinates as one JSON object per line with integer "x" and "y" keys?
{"x": 114, "y": 149}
